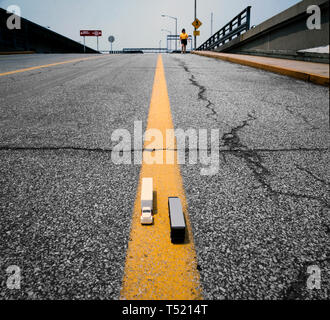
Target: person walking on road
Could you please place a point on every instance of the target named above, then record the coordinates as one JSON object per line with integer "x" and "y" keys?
{"x": 184, "y": 41}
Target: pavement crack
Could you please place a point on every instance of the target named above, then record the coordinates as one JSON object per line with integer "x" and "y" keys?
{"x": 323, "y": 202}
{"x": 293, "y": 111}
{"x": 327, "y": 229}
{"x": 313, "y": 175}
{"x": 65, "y": 148}
{"x": 253, "y": 161}
{"x": 201, "y": 93}
{"x": 221, "y": 151}
{"x": 300, "y": 115}
{"x": 252, "y": 158}
{"x": 232, "y": 139}
{"x": 202, "y": 96}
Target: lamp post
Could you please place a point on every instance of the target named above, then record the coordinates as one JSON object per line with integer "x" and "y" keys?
{"x": 195, "y": 37}
{"x": 170, "y": 32}
{"x": 176, "y": 29}
{"x": 211, "y": 24}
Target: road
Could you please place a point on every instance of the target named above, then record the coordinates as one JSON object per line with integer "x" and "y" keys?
{"x": 258, "y": 222}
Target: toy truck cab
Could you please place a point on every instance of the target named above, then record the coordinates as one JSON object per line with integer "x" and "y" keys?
{"x": 147, "y": 201}
{"x": 146, "y": 216}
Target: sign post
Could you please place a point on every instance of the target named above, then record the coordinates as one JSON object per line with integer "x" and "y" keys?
{"x": 195, "y": 37}
{"x": 111, "y": 39}
{"x": 91, "y": 33}
{"x": 197, "y": 24}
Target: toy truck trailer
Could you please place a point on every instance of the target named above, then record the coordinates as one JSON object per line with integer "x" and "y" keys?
{"x": 147, "y": 201}
{"x": 177, "y": 220}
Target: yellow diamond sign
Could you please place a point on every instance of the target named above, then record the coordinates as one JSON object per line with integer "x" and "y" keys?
{"x": 197, "y": 23}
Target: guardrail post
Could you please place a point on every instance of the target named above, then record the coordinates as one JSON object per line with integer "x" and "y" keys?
{"x": 248, "y": 17}
{"x": 239, "y": 23}
{"x": 230, "y": 29}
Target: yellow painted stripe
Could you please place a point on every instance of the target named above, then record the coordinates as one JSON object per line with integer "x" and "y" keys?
{"x": 16, "y": 52}
{"x": 47, "y": 66}
{"x": 155, "y": 268}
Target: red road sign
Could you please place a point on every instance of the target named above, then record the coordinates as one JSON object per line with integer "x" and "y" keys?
{"x": 90, "y": 33}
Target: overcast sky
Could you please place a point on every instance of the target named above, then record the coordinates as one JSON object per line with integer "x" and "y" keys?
{"x": 138, "y": 23}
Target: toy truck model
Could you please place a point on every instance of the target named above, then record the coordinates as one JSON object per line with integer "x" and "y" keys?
{"x": 147, "y": 201}
{"x": 177, "y": 220}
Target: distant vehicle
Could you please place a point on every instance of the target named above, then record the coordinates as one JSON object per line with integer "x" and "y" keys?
{"x": 177, "y": 220}
{"x": 147, "y": 201}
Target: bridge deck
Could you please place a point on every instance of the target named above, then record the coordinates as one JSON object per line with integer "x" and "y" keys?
{"x": 67, "y": 203}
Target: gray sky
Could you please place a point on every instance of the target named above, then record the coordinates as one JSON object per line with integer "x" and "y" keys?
{"x": 138, "y": 23}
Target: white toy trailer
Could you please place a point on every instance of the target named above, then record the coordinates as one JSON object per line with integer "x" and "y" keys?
{"x": 147, "y": 201}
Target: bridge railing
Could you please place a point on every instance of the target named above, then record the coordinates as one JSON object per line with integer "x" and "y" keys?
{"x": 142, "y": 50}
{"x": 238, "y": 25}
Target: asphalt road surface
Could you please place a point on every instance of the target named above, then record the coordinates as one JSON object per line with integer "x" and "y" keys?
{"x": 258, "y": 223}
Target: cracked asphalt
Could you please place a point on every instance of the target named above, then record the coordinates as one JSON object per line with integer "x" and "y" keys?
{"x": 65, "y": 209}
{"x": 263, "y": 219}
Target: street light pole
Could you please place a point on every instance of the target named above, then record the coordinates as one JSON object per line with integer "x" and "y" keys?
{"x": 176, "y": 29}
{"x": 195, "y": 28}
{"x": 176, "y": 33}
{"x": 211, "y": 24}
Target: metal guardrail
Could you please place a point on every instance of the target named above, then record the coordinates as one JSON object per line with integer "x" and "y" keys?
{"x": 113, "y": 52}
{"x": 150, "y": 50}
{"x": 238, "y": 25}
{"x": 136, "y": 51}
{"x": 119, "y": 51}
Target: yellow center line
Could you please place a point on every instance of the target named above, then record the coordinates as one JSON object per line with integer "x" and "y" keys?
{"x": 47, "y": 66}
{"x": 155, "y": 268}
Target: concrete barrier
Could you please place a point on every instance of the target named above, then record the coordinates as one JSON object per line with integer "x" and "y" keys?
{"x": 32, "y": 37}
{"x": 285, "y": 34}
